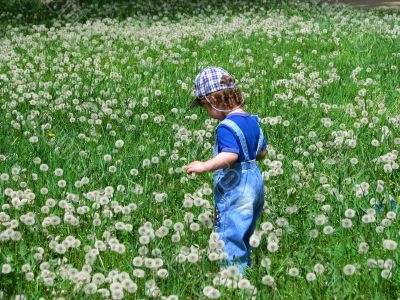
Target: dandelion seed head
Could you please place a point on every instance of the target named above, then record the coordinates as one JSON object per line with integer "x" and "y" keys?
{"x": 310, "y": 276}
{"x": 349, "y": 269}
{"x": 389, "y": 244}
{"x": 386, "y": 273}
{"x": 293, "y": 272}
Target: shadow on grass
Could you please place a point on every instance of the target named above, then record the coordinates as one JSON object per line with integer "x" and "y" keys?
{"x": 34, "y": 12}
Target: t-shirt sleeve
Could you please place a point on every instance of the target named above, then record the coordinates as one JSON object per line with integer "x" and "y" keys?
{"x": 226, "y": 140}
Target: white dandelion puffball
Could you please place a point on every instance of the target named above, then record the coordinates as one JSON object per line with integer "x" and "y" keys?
{"x": 254, "y": 241}
{"x": 347, "y": 223}
{"x": 389, "y": 244}
{"x": 272, "y": 247}
{"x": 119, "y": 143}
{"x": 391, "y": 215}
{"x": 137, "y": 261}
{"x": 313, "y": 233}
{"x": 211, "y": 292}
{"x": 268, "y": 280}
{"x": 349, "y": 269}
{"x": 232, "y": 271}
{"x": 213, "y": 256}
{"x": 244, "y": 284}
{"x": 319, "y": 268}
{"x": 349, "y": 213}
{"x": 162, "y": 273}
{"x": 386, "y": 273}
{"x": 139, "y": 273}
{"x": 310, "y": 276}
{"x": 328, "y": 230}
{"x": 6, "y": 268}
{"x": 33, "y": 139}
{"x": 363, "y": 247}
{"x": 266, "y": 262}
{"x": 293, "y": 272}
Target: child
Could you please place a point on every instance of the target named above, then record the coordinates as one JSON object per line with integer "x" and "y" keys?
{"x": 238, "y": 184}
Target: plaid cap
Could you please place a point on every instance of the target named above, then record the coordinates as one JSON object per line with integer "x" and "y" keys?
{"x": 208, "y": 81}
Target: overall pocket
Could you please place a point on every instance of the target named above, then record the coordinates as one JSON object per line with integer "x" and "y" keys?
{"x": 219, "y": 193}
{"x": 226, "y": 184}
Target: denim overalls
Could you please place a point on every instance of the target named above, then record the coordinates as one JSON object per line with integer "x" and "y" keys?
{"x": 239, "y": 201}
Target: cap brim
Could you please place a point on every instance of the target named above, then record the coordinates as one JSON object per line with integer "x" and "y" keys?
{"x": 195, "y": 103}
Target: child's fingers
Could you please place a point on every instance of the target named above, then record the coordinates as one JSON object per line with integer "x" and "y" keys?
{"x": 191, "y": 170}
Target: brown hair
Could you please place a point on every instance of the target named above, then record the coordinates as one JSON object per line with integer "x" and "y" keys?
{"x": 226, "y": 98}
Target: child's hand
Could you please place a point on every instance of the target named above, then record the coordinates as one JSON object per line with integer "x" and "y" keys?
{"x": 196, "y": 167}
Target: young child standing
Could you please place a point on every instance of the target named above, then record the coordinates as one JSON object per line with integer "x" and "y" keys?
{"x": 239, "y": 143}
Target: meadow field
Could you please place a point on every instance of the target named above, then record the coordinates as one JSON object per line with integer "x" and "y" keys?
{"x": 95, "y": 131}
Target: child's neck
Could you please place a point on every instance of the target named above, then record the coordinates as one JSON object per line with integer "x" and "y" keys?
{"x": 235, "y": 110}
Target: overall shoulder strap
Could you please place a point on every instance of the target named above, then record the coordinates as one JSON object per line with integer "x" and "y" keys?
{"x": 235, "y": 128}
{"x": 215, "y": 146}
{"x": 260, "y": 141}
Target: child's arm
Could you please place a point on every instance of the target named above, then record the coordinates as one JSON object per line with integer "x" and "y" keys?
{"x": 261, "y": 155}
{"x": 222, "y": 160}
{"x": 263, "y": 151}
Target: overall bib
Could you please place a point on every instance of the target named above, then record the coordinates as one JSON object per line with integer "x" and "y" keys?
{"x": 239, "y": 201}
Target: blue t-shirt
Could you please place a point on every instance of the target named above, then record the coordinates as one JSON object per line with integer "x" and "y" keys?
{"x": 228, "y": 141}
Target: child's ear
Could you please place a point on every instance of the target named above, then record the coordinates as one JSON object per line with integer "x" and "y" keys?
{"x": 226, "y": 79}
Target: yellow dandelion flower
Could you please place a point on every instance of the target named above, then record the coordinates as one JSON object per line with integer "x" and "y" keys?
{"x": 51, "y": 134}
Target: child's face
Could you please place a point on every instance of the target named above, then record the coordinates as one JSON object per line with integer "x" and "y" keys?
{"x": 215, "y": 114}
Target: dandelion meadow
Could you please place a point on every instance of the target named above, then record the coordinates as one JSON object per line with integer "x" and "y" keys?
{"x": 95, "y": 132}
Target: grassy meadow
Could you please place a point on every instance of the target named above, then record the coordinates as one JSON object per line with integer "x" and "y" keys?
{"x": 95, "y": 131}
